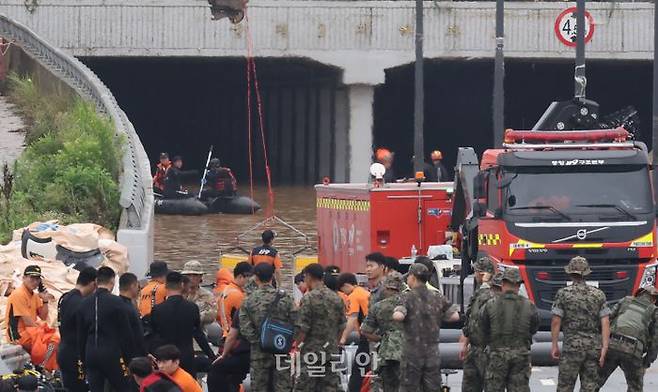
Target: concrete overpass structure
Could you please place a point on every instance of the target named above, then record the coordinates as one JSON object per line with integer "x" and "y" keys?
{"x": 361, "y": 39}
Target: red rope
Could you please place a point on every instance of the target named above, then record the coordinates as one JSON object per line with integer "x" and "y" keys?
{"x": 249, "y": 127}
{"x": 251, "y": 70}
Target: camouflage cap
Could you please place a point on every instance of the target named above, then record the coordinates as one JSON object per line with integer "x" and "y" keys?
{"x": 512, "y": 275}
{"x": 497, "y": 279}
{"x": 651, "y": 290}
{"x": 484, "y": 264}
{"x": 419, "y": 271}
{"x": 578, "y": 266}
{"x": 393, "y": 281}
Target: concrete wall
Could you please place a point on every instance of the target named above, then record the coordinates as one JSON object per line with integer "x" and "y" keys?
{"x": 363, "y": 38}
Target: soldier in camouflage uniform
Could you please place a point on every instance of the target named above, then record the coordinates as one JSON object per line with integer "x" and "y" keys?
{"x": 582, "y": 313}
{"x": 633, "y": 338}
{"x": 472, "y": 341}
{"x": 203, "y": 298}
{"x": 380, "y": 327}
{"x": 422, "y": 312}
{"x": 508, "y": 322}
{"x": 254, "y": 309}
{"x": 497, "y": 283}
{"x": 321, "y": 319}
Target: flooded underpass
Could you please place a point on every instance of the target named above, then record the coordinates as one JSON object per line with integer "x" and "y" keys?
{"x": 182, "y": 238}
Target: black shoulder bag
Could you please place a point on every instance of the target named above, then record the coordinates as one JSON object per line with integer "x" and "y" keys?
{"x": 275, "y": 335}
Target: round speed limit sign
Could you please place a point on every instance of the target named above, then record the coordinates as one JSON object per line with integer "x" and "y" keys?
{"x": 566, "y": 27}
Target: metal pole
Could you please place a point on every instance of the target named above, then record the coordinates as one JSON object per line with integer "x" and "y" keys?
{"x": 499, "y": 76}
{"x": 654, "y": 141}
{"x": 419, "y": 148}
{"x": 579, "y": 72}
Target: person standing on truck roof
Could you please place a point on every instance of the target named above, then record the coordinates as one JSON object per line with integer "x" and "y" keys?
{"x": 202, "y": 297}
{"x": 421, "y": 312}
{"x": 582, "y": 313}
{"x": 436, "y": 172}
{"x": 161, "y": 173}
{"x": 266, "y": 253}
{"x": 154, "y": 292}
{"x": 68, "y": 356}
{"x": 633, "y": 338}
{"x": 508, "y": 322}
{"x": 385, "y": 157}
{"x": 379, "y": 327}
{"x": 320, "y": 317}
{"x": 473, "y": 339}
{"x": 105, "y": 337}
{"x": 254, "y": 310}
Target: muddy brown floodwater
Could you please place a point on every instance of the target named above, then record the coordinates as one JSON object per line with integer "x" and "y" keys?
{"x": 182, "y": 238}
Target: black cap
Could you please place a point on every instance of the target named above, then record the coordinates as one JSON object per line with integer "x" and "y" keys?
{"x": 158, "y": 269}
{"x": 32, "y": 270}
{"x": 164, "y": 155}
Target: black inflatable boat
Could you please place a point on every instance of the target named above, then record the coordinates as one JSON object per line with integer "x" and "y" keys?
{"x": 193, "y": 206}
{"x": 233, "y": 205}
{"x": 186, "y": 206}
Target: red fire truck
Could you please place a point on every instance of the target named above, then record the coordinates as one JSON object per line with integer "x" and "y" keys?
{"x": 541, "y": 199}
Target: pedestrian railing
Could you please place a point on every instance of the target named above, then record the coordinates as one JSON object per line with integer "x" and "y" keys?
{"x": 136, "y": 197}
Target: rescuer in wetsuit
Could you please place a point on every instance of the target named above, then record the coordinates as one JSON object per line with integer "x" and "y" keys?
{"x": 220, "y": 181}
{"x": 173, "y": 182}
{"x": 161, "y": 173}
{"x": 68, "y": 355}
{"x": 105, "y": 336}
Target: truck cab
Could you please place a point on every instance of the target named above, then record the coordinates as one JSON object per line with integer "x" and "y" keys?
{"x": 546, "y": 197}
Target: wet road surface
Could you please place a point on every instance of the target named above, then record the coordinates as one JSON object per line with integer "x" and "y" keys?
{"x": 11, "y": 135}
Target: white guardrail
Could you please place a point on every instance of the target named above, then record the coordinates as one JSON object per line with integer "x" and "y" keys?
{"x": 136, "y": 199}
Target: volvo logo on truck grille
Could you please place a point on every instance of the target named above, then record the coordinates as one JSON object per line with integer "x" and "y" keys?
{"x": 581, "y": 234}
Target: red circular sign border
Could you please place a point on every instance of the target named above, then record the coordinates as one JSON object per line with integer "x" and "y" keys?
{"x": 572, "y": 10}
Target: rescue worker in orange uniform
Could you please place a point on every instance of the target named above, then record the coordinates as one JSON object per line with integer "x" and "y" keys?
{"x": 220, "y": 181}
{"x": 161, "y": 173}
{"x": 385, "y": 157}
{"x": 231, "y": 297}
{"x": 266, "y": 253}
{"x": 223, "y": 278}
{"x": 25, "y": 308}
{"x": 436, "y": 172}
{"x": 154, "y": 292}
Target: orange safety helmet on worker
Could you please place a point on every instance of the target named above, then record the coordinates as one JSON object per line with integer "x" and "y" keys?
{"x": 266, "y": 253}
{"x": 161, "y": 172}
{"x": 385, "y": 157}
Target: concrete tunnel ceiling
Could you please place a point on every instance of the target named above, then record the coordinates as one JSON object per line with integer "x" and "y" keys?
{"x": 183, "y": 105}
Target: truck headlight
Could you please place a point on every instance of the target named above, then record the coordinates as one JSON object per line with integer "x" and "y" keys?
{"x": 649, "y": 276}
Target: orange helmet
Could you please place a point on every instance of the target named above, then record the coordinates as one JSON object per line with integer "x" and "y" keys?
{"x": 382, "y": 154}
{"x": 437, "y": 155}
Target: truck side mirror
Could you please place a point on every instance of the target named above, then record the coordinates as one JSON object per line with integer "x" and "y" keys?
{"x": 479, "y": 185}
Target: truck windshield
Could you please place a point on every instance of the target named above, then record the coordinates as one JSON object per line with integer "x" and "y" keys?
{"x": 564, "y": 193}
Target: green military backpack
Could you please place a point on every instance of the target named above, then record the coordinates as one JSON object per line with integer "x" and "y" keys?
{"x": 633, "y": 320}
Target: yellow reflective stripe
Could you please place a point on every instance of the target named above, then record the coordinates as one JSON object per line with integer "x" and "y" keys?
{"x": 343, "y": 204}
{"x": 587, "y": 246}
{"x": 489, "y": 239}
